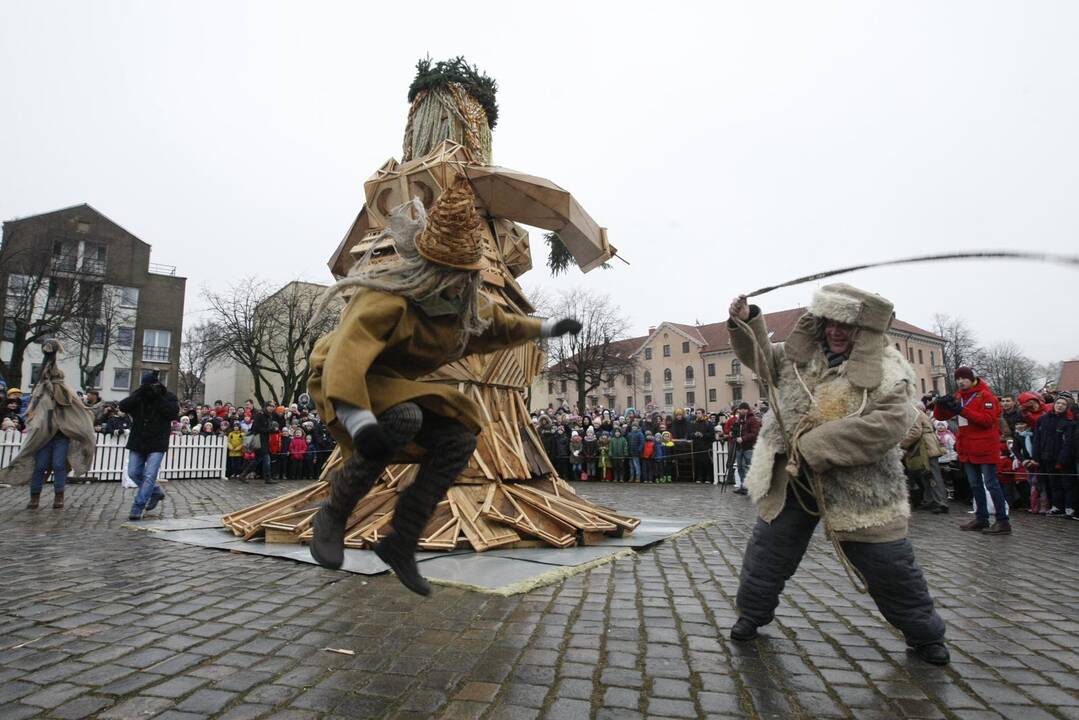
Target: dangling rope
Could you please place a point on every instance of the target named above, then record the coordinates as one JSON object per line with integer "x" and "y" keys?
{"x": 981, "y": 254}
{"x": 812, "y": 486}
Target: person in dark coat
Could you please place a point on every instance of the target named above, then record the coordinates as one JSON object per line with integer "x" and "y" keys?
{"x": 702, "y": 433}
{"x": 152, "y": 409}
{"x": 1052, "y": 446}
{"x": 261, "y": 424}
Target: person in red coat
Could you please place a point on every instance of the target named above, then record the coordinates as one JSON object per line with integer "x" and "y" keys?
{"x": 977, "y": 412}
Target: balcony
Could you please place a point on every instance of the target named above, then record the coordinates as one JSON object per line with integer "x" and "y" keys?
{"x": 91, "y": 266}
{"x": 152, "y": 353}
{"x": 65, "y": 263}
{"x": 668, "y": 385}
{"x": 691, "y": 382}
{"x": 647, "y": 387}
{"x": 938, "y": 370}
{"x": 734, "y": 379}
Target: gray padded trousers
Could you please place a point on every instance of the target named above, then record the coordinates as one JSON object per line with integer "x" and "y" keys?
{"x": 895, "y": 580}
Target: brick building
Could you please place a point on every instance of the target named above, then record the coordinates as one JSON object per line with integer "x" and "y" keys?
{"x": 693, "y": 366}
{"x": 93, "y": 283}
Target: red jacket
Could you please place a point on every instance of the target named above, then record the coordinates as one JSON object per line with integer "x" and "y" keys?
{"x": 1032, "y": 417}
{"x": 979, "y": 433}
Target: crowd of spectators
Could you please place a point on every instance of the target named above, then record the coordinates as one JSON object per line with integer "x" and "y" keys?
{"x": 650, "y": 447}
{"x": 273, "y": 442}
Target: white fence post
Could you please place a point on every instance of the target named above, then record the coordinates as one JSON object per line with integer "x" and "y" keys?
{"x": 189, "y": 456}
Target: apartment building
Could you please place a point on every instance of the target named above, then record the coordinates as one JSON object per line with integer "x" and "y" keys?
{"x": 92, "y": 283}
{"x": 679, "y": 365}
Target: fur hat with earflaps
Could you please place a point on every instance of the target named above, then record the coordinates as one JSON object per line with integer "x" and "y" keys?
{"x": 453, "y": 237}
{"x": 869, "y": 313}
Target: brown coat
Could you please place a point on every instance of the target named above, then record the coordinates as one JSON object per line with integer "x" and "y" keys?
{"x": 923, "y": 428}
{"x": 384, "y": 343}
{"x": 53, "y": 408}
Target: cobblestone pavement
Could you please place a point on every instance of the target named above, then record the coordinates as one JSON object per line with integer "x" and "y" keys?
{"x": 99, "y": 621}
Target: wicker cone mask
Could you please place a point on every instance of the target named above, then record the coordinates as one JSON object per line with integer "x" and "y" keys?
{"x": 452, "y": 237}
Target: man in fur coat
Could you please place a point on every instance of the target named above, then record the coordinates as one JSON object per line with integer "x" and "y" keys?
{"x": 830, "y": 449}
{"x": 405, "y": 320}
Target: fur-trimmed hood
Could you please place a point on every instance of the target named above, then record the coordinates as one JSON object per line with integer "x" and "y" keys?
{"x": 868, "y": 312}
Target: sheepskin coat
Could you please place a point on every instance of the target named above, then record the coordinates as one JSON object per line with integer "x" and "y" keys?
{"x": 849, "y": 434}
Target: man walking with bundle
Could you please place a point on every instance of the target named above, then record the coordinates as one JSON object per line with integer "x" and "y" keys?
{"x": 152, "y": 409}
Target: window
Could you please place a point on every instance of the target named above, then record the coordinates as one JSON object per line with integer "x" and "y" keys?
{"x": 35, "y": 373}
{"x": 668, "y": 399}
{"x": 685, "y": 347}
{"x": 668, "y": 378}
{"x": 647, "y": 400}
{"x": 129, "y": 297}
{"x": 99, "y": 335}
{"x": 932, "y": 359}
{"x": 736, "y": 393}
{"x": 629, "y": 380}
{"x": 910, "y": 354}
{"x": 90, "y": 295}
{"x": 563, "y": 385}
{"x": 593, "y": 401}
{"x": 550, "y": 387}
{"x": 93, "y": 381}
{"x": 93, "y": 259}
{"x": 63, "y": 256}
{"x": 921, "y": 360}
{"x": 163, "y": 377}
{"x": 121, "y": 378}
{"x": 10, "y": 329}
{"x": 691, "y": 399}
{"x": 666, "y": 351}
{"x": 125, "y": 337}
{"x": 923, "y": 386}
{"x": 711, "y": 394}
{"x": 648, "y": 353}
{"x": 736, "y": 367}
{"x": 156, "y": 345}
{"x": 711, "y": 369}
{"x": 647, "y": 378}
{"x": 898, "y": 348}
{"x": 689, "y": 372}
{"x": 610, "y": 381}
{"x": 18, "y": 285}
{"x": 629, "y": 401}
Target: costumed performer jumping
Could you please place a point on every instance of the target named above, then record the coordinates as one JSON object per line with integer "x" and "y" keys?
{"x": 59, "y": 433}
{"x": 831, "y": 450}
{"x": 407, "y": 319}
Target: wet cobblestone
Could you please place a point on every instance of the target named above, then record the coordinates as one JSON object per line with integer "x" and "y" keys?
{"x": 100, "y": 621}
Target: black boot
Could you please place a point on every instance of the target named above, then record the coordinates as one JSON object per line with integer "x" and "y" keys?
{"x": 744, "y": 630}
{"x": 933, "y": 653}
{"x": 447, "y": 457}
{"x": 347, "y": 487}
{"x": 35, "y": 500}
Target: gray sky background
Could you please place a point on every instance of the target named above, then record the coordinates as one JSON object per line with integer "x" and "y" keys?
{"x": 725, "y": 146}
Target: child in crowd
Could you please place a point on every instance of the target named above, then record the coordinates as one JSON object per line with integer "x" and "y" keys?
{"x": 576, "y": 456}
{"x": 604, "y": 448}
{"x": 668, "y": 456}
{"x": 589, "y": 452}
{"x": 297, "y": 465}
{"x": 619, "y": 450}
{"x": 236, "y": 451}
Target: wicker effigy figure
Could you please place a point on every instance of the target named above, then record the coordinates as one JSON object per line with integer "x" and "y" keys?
{"x": 418, "y": 303}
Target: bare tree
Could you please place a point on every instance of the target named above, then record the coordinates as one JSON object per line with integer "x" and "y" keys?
{"x": 1007, "y": 370}
{"x": 269, "y": 333}
{"x": 37, "y": 304}
{"x": 98, "y": 328}
{"x": 195, "y": 358}
{"x": 594, "y": 357}
{"x": 960, "y": 347}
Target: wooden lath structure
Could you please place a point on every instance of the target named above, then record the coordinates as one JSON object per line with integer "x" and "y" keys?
{"x": 510, "y": 493}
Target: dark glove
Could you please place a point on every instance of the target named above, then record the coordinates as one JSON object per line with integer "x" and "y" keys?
{"x": 566, "y": 325}
{"x": 949, "y": 403}
{"x": 372, "y": 443}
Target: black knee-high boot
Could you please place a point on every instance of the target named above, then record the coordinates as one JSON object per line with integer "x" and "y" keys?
{"x": 352, "y": 482}
{"x": 447, "y": 456}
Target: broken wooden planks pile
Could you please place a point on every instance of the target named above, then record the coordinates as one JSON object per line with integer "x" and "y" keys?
{"x": 533, "y": 513}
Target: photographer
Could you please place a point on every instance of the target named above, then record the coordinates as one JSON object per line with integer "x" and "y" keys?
{"x": 152, "y": 409}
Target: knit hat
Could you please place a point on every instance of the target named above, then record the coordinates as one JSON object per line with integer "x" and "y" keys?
{"x": 965, "y": 372}
{"x": 148, "y": 378}
{"x": 744, "y": 406}
{"x": 868, "y": 312}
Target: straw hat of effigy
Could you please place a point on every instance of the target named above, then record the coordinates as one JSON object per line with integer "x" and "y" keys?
{"x": 453, "y": 237}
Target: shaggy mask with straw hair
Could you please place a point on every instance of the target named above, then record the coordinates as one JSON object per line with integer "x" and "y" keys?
{"x": 413, "y": 276}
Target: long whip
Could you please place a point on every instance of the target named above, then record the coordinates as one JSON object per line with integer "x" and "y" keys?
{"x": 981, "y": 254}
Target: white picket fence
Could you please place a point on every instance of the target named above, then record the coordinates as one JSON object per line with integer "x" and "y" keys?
{"x": 189, "y": 456}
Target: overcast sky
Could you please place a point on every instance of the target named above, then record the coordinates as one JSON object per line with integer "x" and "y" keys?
{"x": 725, "y": 146}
